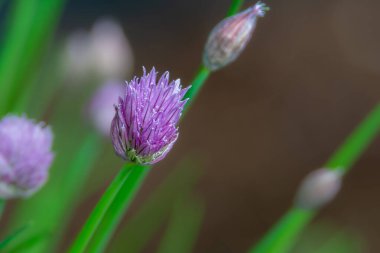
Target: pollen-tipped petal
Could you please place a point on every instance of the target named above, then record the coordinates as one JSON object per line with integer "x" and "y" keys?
{"x": 25, "y": 156}
{"x": 144, "y": 128}
{"x": 229, "y": 38}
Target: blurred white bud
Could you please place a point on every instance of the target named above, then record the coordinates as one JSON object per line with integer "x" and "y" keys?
{"x": 102, "y": 53}
{"x": 318, "y": 188}
{"x": 111, "y": 52}
{"x": 77, "y": 57}
{"x": 101, "y": 108}
{"x": 229, "y": 38}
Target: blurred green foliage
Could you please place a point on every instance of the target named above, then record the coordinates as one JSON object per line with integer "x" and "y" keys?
{"x": 325, "y": 237}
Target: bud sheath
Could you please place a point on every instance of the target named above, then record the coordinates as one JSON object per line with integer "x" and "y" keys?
{"x": 229, "y": 38}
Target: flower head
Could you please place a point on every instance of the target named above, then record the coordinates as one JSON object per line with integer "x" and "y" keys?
{"x": 101, "y": 107}
{"x": 144, "y": 128}
{"x": 229, "y": 38}
{"x": 25, "y": 156}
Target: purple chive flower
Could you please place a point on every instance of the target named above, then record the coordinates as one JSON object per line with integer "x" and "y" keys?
{"x": 229, "y": 38}
{"x": 101, "y": 107}
{"x": 144, "y": 128}
{"x": 25, "y": 156}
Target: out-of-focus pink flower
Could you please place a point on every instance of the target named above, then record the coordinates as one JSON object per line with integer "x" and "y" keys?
{"x": 102, "y": 53}
{"x": 102, "y": 104}
{"x": 25, "y": 156}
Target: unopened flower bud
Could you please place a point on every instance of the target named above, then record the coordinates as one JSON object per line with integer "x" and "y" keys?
{"x": 110, "y": 48}
{"x": 229, "y": 38}
{"x": 25, "y": 156}
{"x": 318, "y": 188}
{"x": 101, "y": 109}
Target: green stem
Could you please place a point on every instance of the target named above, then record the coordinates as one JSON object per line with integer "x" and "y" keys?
{"x": 284, "y": 234}
{"x": 117, "y": 209}
{"x": 356, "y": 142}
{"x": 203, "y": 73}
{"x": 235, "y": 7}
{"x": 198, "y": 81}
{"x": 281, "y": 237}
{"x": 100, "y": 209}
{"x": 152, "y": 214}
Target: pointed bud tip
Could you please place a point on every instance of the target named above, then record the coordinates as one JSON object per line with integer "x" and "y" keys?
{"x": 260, "y": 9}
{"x": 230, "y": 37}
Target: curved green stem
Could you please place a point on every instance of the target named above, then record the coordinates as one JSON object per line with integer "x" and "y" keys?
{"x": 283, "y": 235}
{"x": 117, "y": 209}
{"x": 203, "y": 73}
{"x": 356, "y": 142}
{"x": 196, "y": 85}
{"x": 100, "y": 209}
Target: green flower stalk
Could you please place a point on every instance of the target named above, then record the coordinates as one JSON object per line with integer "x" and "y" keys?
{"x": 98, "y": 212}
{"x": 319, "y": 188}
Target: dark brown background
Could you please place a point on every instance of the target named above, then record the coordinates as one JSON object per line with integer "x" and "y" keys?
{"x": 310, "y": 74}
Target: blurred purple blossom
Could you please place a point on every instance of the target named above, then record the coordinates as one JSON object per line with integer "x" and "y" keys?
{"x": 102, "y": 105}
{"x": 25, "y": 156}
{"x": 104, "y": 52}
{"x": 144, "y": 128}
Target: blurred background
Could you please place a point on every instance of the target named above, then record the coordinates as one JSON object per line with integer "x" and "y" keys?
{"x": 309, "y": 75}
